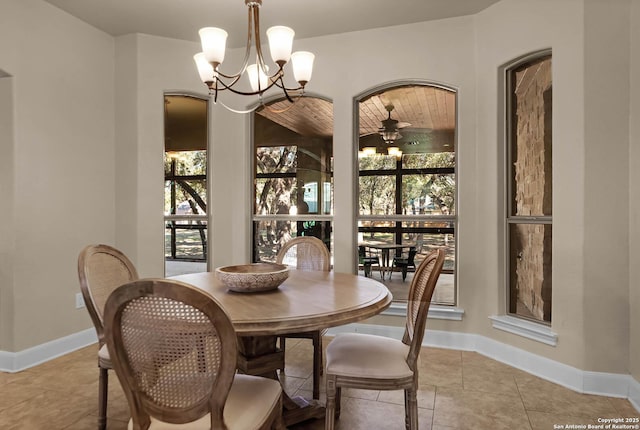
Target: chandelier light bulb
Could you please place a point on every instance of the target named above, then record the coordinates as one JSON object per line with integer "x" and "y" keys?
{"x": 280, "y": 43}
{"x": 302, "y": 62}
{"x": 205, "y": 69}
{"x": 214, "y": 44}
{"x": 394, "y": 151}
{"x": 257, "y": 76}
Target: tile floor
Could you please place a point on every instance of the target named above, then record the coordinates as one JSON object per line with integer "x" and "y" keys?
{"x": 458, "y": 390}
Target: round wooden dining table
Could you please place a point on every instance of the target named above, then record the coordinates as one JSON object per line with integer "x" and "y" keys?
{"x": 305, "y": 301}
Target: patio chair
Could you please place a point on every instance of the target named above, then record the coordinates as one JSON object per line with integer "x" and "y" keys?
{"x": 101, "y": 269}
{"x": 174, "y": 350}
{"x": 371, "y": 362}
{"x": 405, "y": 262}
{"x": 309, "y": 253}
{"x": 366, "y": 259}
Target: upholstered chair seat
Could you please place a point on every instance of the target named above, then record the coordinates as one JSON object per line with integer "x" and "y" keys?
{"x": 244, "y": 407}
{"x": 103, "y": 357}
{"x": 363, "y": 355}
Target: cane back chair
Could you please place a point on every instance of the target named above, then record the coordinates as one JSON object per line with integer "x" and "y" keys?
{"x": 174, "y": 350}
{"x": 101, "y": 269}
{"x": 309, "y": 253}
{"x": 372, "y": 362}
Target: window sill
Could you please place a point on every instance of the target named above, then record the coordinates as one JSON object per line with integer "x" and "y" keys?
{"x": 530, "y": 330}
{"x": 438, "y": 312}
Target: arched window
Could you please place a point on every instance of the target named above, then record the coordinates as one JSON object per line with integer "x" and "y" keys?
{"x": 528, "y": 218}
{"x": 185, "y": 183}
{"x": 406, "y": 196}
{"x": 293, "y": 174}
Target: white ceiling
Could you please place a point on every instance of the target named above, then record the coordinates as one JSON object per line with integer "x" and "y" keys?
{"x": 181, "y": 19}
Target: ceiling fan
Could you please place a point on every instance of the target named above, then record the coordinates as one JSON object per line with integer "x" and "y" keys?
{"x": 390, "y": 128}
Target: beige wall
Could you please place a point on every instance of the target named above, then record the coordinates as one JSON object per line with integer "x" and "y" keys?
{"x": 95, "y": 152}
{"x": 63, "y": 170}
{"x": 606, "y": 186}
{"x": 505, "y": 32}
{"x": 634, "y": 194}
{"x": 7, "y": 243}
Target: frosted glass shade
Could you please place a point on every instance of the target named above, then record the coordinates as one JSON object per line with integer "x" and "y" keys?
{"x": 214, "y": 43}
{"x": 280, "y": 43}
{"x": 205, "y": 69}
{"x": 302, "y": 62}
{"x": 257, "y": 75}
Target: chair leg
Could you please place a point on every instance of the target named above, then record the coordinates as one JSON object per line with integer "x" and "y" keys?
{"x": 329, "y": 418}
{"x": 283, "y": 346}
{"x": 317, "y": 364}
{"x": 411, "y": 408}
{"x": 103, "y": 386}
{"x": 404, "y": 274}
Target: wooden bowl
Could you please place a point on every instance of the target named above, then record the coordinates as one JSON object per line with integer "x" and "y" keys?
{"x": 251, "y": 278}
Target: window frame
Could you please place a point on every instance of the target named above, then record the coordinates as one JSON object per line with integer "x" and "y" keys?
{"x": 206, "y": 177}
{"x": 292, "y": 218}
{"x": 510, "y": 218}
{"x": 398, "y": 219}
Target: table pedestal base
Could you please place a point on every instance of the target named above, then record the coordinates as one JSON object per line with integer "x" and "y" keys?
{"x": 259, "y": 356}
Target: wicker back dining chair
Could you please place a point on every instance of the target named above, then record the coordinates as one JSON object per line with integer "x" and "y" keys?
{"x": 370, "y": 362}
{"x": 309, "y": 253}
{"x": 174, "y": 350}
{"x": 101, "y": 269}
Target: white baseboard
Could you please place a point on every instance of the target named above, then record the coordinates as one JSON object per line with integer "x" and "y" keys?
{"x": 634, "y": 394}
{"x": 599, "y": 383}
{"x": 17, "y": 361}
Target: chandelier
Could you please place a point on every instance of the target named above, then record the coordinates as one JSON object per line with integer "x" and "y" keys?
{"x": 280, "y": 40}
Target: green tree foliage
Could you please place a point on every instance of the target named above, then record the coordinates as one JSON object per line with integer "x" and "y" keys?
{"x": 421, "y": 193}
{"x": 193, "y": 191}
{"x": 274, "y": 195}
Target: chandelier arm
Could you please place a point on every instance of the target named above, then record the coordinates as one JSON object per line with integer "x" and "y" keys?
{"x": 229, "y": 87}
{"x": 256, "y": 26}
{"x": 284, "y": 88}
{"x": 245, "y": 62}
{"x": 230, "y": 109}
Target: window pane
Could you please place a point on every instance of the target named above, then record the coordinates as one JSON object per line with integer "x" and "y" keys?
{"x": 530, "y": 264}
{"x": 427, "y": 242}
{"x": 188, "y": 163}
{"x": 428, "y": 194}
{"x": 422, "y": 160}
{"x": 531, "y": 139}
{"x": 277, "y": 159}
{"x": 377, "y": 162}
{"x": 188, "y": 239}
{"x": 270, "y": 235}
{"x": 275, "y": 195}
{"x": 190, "y": 197}
{"x": 377, "y": 195}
